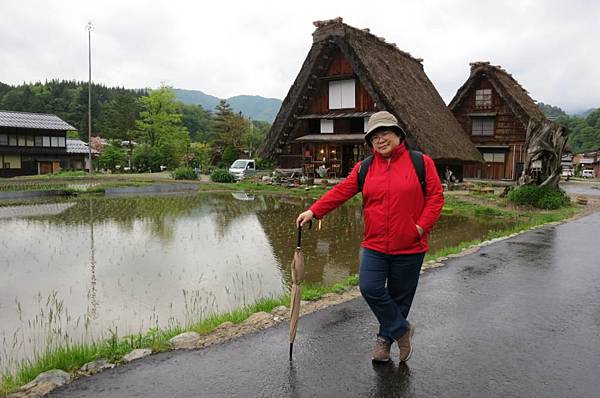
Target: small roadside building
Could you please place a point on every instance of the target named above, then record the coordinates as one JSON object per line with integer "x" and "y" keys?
{"x": 588, "y": 161}
{"x": 348, "y": 75}
{"x": 495, "y": 111}
{"x": 34, "y": 143}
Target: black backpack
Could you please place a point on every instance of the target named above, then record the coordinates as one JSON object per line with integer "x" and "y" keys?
{"x": 417, "y": 161}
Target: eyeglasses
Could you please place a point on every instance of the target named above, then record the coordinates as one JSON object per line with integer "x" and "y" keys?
{"x": 380, "y": 136}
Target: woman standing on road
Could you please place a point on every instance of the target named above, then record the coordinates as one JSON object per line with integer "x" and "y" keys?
{"x": 398, "y": 217}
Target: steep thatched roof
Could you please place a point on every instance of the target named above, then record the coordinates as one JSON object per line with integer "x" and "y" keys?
{"x": 393, "y": 78}
{"x": 517, "y": 98}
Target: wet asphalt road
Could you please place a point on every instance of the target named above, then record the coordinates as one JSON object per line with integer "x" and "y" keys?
{"x": 520, "y": 318}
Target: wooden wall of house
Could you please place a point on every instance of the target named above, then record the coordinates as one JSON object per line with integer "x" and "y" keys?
{"x": 508, "y": 129}
{"x": 339, "y": 68}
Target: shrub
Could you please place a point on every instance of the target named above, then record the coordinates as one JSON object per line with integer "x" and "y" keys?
{"x": 264, "y": 164}
{"x": 540, "y": 197}
{"x": 184, "y": 173}
{"x": 221, "y": 175}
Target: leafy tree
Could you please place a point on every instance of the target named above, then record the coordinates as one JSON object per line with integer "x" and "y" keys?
{"x": 254, "y": 136}
{"x": 230, "y": 154}
{"x": 118, "y": 117}
{"x": 199, "y": 155}
{"x": 147, "y": 158}
{"x": 197, "y": 121}
{"x": 113, "y": 155}
{"x": 160, "y": 126}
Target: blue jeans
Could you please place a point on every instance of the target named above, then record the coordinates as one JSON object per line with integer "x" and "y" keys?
{"x": 388, "y": 283}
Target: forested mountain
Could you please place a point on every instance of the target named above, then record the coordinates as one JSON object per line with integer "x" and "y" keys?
{"x": 252, "y": 106}
{"x": 197, "y": 97}
{"x": 256, "y": 107}
{"x": 551, "y": 112}
{"x": 584, "y": 131}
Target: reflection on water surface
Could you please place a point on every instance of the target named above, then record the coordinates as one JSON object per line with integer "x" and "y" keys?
{"x": 126, "y": 264}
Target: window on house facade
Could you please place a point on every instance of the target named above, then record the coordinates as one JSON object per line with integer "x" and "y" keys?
{"x": 357, "y": 125}
{"x": 483, "y": 98}
{"x": 61, "y": 141}
{"x": 46, "y": 140}
{"x": 53, "y": 141}
{"x": 38, "y": 140}
{"x": 482, "y": 126}
{"x": 494, "y": 157}
{"x": 3, "y": 139}
{"x": 342, "y": 94}
{"x": 21, "y": 140}
{"x": 326, "y": 126}
{"x": 12, "y": 140}
{"x": 29, "y": 140}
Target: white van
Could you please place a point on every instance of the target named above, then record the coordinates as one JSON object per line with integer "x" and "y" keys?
{"x": 242, "y": 168}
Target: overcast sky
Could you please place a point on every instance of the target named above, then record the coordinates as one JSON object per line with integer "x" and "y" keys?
{"x": 227, "y": 48}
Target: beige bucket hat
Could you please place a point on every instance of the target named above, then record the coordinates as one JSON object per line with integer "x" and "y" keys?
{"x": 380, "y": 120}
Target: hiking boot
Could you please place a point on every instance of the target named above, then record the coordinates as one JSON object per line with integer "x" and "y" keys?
{"x": 381, "y": 351}
{"x": 405, "y": 343}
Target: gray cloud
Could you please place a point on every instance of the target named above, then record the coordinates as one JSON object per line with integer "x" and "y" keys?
{"x": 232, "y": 48}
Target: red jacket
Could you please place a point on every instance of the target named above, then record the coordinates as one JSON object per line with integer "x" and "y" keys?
{"x": 393, "y": 203}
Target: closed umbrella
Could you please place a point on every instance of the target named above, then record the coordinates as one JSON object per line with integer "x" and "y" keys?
{"x": 297, "y": 269}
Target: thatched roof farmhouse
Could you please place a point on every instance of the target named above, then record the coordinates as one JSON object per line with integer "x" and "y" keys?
{"x": 348, "y": 75}
{"x": 495, "y": 111}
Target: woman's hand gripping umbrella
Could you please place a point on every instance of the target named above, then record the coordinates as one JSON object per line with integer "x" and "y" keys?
{"x": 297, "y": 269}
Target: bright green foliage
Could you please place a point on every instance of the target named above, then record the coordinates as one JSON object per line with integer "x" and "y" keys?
{"x": 198, "y": 155}
{"x": 584, "y": 133}
{"x": 161, "y": 128}
{"x": 540, "y": 197}
{"x": 221, "y": 175}
{"x": 147, "y": 158}
{"x": 112, "y": 156}
{"x": 184, "y": 173}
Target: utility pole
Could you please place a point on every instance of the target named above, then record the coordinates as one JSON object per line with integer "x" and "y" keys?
{"x": 89, "y": 28}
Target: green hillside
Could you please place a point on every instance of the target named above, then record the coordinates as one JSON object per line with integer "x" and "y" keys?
{"x": 584, "y": 131}
{"x": 251, "y": 106}
{"x": 197, "y": 97}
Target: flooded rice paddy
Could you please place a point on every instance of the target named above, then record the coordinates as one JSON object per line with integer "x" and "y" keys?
{"x": 84, "y": 269}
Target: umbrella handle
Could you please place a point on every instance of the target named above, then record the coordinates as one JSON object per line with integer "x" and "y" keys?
{"x": 300, "y": 233}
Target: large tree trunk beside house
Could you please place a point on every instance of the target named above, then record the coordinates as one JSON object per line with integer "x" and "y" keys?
{"x": 545, "y": 143}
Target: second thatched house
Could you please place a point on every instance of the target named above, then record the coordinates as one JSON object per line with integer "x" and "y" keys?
{"x": 495, "y": 110}
{"x": 348, "y": 75}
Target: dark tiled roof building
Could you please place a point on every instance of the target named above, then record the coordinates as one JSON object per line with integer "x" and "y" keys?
{"x": 33, "y": 143}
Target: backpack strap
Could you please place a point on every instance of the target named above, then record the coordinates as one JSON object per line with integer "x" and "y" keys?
{"x": 419, "y": 165}
{"x": 363, "y": 169}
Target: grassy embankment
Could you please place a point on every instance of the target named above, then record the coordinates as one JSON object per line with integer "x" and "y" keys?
{"x": 73, "y": 356}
